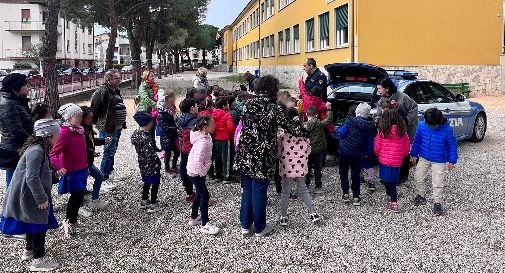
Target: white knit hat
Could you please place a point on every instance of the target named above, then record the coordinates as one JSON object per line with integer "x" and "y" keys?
{"x": 363, "y": 110}
{"x": 69, "y": 110}
{"x": 46, "y": 127}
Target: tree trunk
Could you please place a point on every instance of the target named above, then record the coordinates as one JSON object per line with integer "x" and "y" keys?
{"x": 48, "y": 56}
{"x": 136, "y": 34}
{"x": 177, "y": 60}
{"x": 204, "y": 53}
{"x": 109, "y": 59}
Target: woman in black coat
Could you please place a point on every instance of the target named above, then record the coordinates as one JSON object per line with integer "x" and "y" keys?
{"x": 16, "y": 123}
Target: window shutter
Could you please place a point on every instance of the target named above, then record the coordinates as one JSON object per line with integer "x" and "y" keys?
{"x": 310, "y": 30}
{"x": 324, "y": 26}
{"x": 296, "y": 32}
{"x": 342, "y": 17}
{"x": 25, "y": 13}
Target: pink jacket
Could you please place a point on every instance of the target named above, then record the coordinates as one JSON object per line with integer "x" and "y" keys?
{"x": 391, "y": 151}
{"x": 200, "y": 157}
{"x": 309, "y": 101}
{"x": 236, "y": 137}
{"x": 293, "y": 155}
{"x": 69, "y": 151}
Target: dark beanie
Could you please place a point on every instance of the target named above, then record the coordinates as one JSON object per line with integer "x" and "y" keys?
{"x": 14, "y": 82}
{"x": 142, "y": 118}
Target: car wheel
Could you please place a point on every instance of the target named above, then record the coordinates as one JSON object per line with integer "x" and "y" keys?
{"x": 479, "y": 128}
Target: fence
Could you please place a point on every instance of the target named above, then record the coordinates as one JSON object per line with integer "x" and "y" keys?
{"x": 70, "y": 84}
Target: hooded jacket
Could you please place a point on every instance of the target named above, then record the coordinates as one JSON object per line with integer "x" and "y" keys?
{"x": 225, "y": 128}
{"x": 316, "y": 127}
{"x": 16, "y": 123}
{"x": 185, "y": 124}
{"x": 149, "y": 162}
{"x": 437, "y": 145}
{"x": 392, "y": 150}
{"x": 200, "y": 157}
{"x": 69, "y": 151}
{"x": 355, "y": 136}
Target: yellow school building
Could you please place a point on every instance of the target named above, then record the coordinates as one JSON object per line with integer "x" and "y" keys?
{"x": 449, "y": 41}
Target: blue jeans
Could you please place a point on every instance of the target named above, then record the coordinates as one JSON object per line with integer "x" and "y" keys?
{"x": 344, "y": 164}
{"x": 109, "y": 151}
{"x": 8, "y": 176}
{"x": 254, "y": 204}
{"x": 98, "y": 176}
{"x": 201, "y": 200}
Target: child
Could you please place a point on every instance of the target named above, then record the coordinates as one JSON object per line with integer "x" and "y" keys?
{"x": 354, "y": 136}
{"x": 391, "y": 145}
{"x": 70, "y": 160}
{"x": 27, "y": 206}
{"x": 199, "y": 161}
{"x": 225, "y": 128}
{"x": 149, "y": 162}
{"x": 168, "y": 130}
{"x": 318, "y": 144}
{"x": 185, "y": 123}
{"x": 91, "y": 143}
{"x": 436, "y": 146}
{"x": 41, "y": 111}
{"x": 291, "y": 102}
{"x": 205, "y": 107}
{"x": 293, "y": 157}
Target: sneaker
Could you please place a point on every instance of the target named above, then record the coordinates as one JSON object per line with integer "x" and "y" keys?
{"x": 153, "y": 208}
{"x": 346, "y": 198}
{"x": 209, "y": 229}
{"x": 98, "y": 204}
{"x": 393, "y": 206}
{"x": 419, "y": 200}
{"x": 194, "y": 222}
{"x": 245, "y": 232}
{"x": 437, "y": 209}
{"x": 21, "y": 237}
{"x": 319, "y": 190}
{"x": 27, "y": 255}
{"x": 371, "y": 187}
{"x": 107, "y": 186}
{"x": 283, "y": 221}
{"x": 267, "y": 230}
{"x": 315, "y": 218}
{"x": 144, "y": 204}
{"x": 68, "y": 228}
{"x": 43, "y": 264}
{"x": 356, "y": 201}
{"x": 85, "y": 212}
{"x": 190, "y": 198}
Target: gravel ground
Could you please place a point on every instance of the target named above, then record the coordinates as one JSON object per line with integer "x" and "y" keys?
{"x": 369, "y": 238}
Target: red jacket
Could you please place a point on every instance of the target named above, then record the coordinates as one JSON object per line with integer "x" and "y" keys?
{"x": 69, "y": 151}
{"x": 391, "y": 151}
{"x": 309, "y": 101}
{"x": 206, "y": 112}
{"x": 225, "y": 128}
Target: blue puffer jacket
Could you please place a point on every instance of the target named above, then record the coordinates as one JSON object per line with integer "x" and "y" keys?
{"x": 437, "y": 145}
{"x": 355, "y": 137}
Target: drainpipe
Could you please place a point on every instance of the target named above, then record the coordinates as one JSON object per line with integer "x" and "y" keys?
{"x": 354, "y": 22}
{"x": 259, "y": 36}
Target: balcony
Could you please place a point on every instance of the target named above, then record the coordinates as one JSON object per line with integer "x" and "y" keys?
{"x": 25, "y": 26}
{"x": 14, "y": 53}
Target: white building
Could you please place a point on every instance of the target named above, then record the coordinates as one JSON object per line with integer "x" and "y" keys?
{"x": 122, "y": 54}
{"x": 22, "y": 29}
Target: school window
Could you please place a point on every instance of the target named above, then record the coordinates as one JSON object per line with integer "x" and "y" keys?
{"x": 263, "y": 17}
{"x": 90, "y": 49}
{"x": 281, "y": 42}
{"x": 263, "y": 48}
{"x": 287, "y": 35}
{"x": 257, "y": 17}
{"x": 257, "y": 49}
{"x": 272, "y": 45}
{"x": 267, "y": 9}
{"x": 324, "y": 30}
{"x": 296, "y": 38}
{"x": 342, "y": 26}
{"x": 284, "y": 3}
{"x": 26, "y": 42}
{"x": 309, "y": 28}
{"x": 272, "y": 7}
{"x": 68, "y": 45}
{"x": 25, "y": 15}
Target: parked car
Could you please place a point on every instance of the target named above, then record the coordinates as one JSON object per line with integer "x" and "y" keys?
{"x": 127, "y": 68}
{"x": 3, "y": 73}
{"x": 100, "y": 70}
{"x": 34, "y": 77}
{"x": 88, "y": 71}
{"x": 352, "y": 83}
{"x": 72, "y": 71}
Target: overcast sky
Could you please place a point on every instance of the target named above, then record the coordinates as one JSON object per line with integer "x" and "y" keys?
{"x": 222, "y": 12}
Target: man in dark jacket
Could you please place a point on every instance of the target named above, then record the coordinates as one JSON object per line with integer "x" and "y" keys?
{"x": 315, "y": 77}
{"x": 251, "y": 81}
{"x": 16, "y": 123}
{"x": 109, "y": 116}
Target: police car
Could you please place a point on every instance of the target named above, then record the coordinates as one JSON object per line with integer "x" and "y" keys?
{"x": 351, "y": 83}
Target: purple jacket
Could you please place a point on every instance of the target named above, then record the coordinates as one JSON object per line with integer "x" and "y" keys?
{"x": 200, "y": 156}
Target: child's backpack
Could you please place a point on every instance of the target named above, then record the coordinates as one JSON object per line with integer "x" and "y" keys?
{"x": 183, "y": 142}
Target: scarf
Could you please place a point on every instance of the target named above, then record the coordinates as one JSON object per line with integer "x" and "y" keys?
{"x": 154, "y": 87}
{"x": 73, "y": 128}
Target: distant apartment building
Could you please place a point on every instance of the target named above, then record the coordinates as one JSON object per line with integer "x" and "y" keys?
{"x": 122, "y": 54}
{"x": 22, "y": 27}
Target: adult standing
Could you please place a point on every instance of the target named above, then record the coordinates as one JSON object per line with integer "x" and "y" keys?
{"x": 200, "y": 81}
{"x": 148, "y": 93}
{"x": 315, "y": 77}
{"x": 251, "y": 81}
{"x": 109, "y": 116}
{"x": 257, "y": 152}
{"x": 16, "y": 123}
{"x": 408, "y": 109}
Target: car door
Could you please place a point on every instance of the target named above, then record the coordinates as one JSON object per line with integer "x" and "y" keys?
{"x": 456, "y": 112}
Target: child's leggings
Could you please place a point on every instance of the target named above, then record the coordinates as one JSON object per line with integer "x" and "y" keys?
{"x": 36, "y": 242}
{"x": 287, "y": 185}
{"x": 73, "y": 205}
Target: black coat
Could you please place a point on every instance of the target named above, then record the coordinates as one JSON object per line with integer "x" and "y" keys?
{"x": 16, "y": 122}
{"x": 317, "y": 78}
{"x": 168, "y": 131}
{"x": 91, "y": 143}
